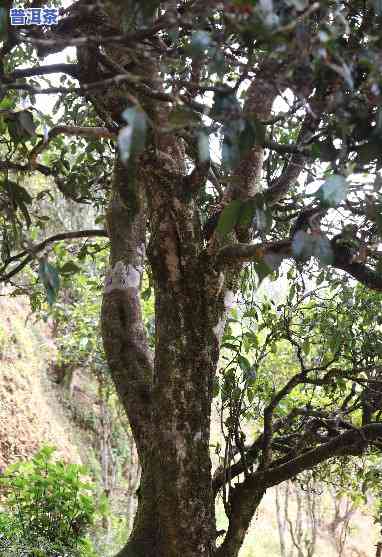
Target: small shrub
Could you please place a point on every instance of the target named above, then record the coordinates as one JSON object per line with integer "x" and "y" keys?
{"x": 47, "y": 509}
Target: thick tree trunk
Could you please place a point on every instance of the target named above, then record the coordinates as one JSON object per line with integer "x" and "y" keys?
{"x": 184, "y": 366}
{"x": 168, "y": 401}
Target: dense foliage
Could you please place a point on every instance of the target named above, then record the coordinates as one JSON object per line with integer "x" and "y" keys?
{"x": 47, "y": 508}
{"x": 231, "y": 152}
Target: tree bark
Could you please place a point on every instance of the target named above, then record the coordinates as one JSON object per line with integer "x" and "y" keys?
{"x": 168, "y": 401}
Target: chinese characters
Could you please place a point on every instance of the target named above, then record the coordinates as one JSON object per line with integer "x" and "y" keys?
{"x": 34, "y": 16}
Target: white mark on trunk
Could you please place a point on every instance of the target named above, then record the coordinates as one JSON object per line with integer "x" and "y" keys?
{"x": 220, "y": 282}
{"x": 121, "y": 277}
{"x": 198, "y": 436}
{"x": 219, "y": 329}
{"x": 181, "y": 447}
{"x": 229, "y": 300}
{"x": 172, "y": 260}
{"x": 229, "y": 303}
{"x": 141, "y": 250}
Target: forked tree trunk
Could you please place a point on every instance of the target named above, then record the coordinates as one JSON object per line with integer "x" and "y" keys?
{"x": 168, "y": 400}
{"x": 167, "y": 395}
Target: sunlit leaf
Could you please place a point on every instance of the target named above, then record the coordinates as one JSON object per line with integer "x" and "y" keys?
{"x": 69, "y": 268}
{"x": 132, "y": 138}
{"x": 203, "y": 147}
{"x": 200, "y": 41}
{"x": 51, "y": 280}
{"x": 25, "y": 117}
{"x": 229, "y": 217}
{"x": 333, "y": 191}
{"x": 302, "y": 245}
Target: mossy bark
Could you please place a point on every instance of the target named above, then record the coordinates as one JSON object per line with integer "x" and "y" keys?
{"x": 168, "y": 399}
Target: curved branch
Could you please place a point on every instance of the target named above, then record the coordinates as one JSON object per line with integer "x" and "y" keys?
{"x": 291, "y": 172}
{"x": 363, "y": 273}
{"x": 246, "y": 252}
{"x": 247, "y": 495}
{"x": 129, "y": 39}
{"x": 70, "y": 69}
{"x": 28, "y": 257}
{"x": 81, "y": 131}
{"x": 351, "y": 442}
{"x": 8, "y": 165}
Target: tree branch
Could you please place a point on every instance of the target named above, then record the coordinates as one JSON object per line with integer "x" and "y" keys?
{"x": 28, "y": 257}
{"x": 8, "y": 165}
{"x": 93, "y": 132}
{"x": 102, "y": 84}
{"x": 363, "y": 273}
{"x": 247, "y": 495}
{"x": 260, "y": 96}
{"x": 351, "y": 442}
{"x": 245, "y": 252}
{"x": 293, "y": 169}
{"x": 123, "y": 330}
{"x": 129, "y": 39}
{"x": 71, "y": 69}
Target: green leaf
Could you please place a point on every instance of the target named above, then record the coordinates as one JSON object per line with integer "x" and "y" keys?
{"x": 6, "y": 103}
{"x": 200, "y": 42}
{"x": 306, "y": 347}
{"x": 182, "y": 116}
{"x": 100, "y": 219}
{"x": 19, "y": 193}
{"x": 333, "y": 191}
{"x": 230, "y": 346}
{"x": 203, "y": 147}
{"x": 302, "y": 245}
{"x": 132, "y": 138}
{"x": 247, "y": 212}
{"x": 262, "y": 269}
{"x": 50, "y": 279}
{"x": 244, "y": 364}
{"x": 25, "y": 118}
{"x": 229, "y": 217}
{"x": 146, "y": 294}
{"x": 69, "y": 268}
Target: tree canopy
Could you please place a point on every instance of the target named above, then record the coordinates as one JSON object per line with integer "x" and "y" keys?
{"x": 215, "y": 145}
